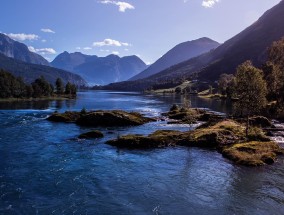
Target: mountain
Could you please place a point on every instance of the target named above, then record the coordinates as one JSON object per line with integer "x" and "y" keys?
{"x": 19, "y": 51}
{"x": 178, "y": 54}
{"x": 29, "y": 72}
{"x": 250, "y": 44}
{"x": 100, "y": 70}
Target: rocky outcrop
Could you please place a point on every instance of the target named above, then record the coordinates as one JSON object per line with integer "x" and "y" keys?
{"x": 227, "y": 136}
{"x": 101, "y": 118}
{"x": 191, "y": 115}
{"x": 253, "y": 153}
{"x": 91, "y": 135}
{"x": 68, "y": 117}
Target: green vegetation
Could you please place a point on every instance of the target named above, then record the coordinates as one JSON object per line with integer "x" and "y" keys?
{"x": 12, "y": 88}
{"x": 253, "y": 153}
{"x": 250, "y": 90}
{"x": 227, "y": 136}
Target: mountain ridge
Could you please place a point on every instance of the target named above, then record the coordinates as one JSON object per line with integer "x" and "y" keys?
{"x": 19, "y": 51}
{"x": 250, "y": 44}
{"x": 100, "y": 70}
{"x": 29, "y": 72}
{"x": 178, "y": 54}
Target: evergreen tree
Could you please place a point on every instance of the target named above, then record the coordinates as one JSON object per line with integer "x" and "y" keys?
{"x": 59, "y": 86}
{"x": 68, "y": 88}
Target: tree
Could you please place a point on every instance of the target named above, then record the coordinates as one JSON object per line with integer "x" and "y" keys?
{"x": 274, "y": 69}
{"x": 224, "y": 82}
{"x": 41, "y": 87}
{"x": 59, "y": 86}
{"x": 68, "y": 88}
{"x": 251, "y": 91}
{"x": 178, "y": 90}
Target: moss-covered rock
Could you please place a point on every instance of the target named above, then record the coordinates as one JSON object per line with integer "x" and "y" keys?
{"x": 253, "y": 153}
{"x": 112, "y": 118}
{"x": 101, "y": 118}
{"x": 191, "y": 115}
{"x": 133, "y": 142}
{"x": 68, "y": 116}
{"x": 91, "y": 135}
{"x": 158, "y": 139}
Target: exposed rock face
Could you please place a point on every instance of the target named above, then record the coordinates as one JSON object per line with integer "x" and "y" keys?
{"x": 19, "y": 51}
{"x": 91, "y": 135}
{"x": 102, "y": 118}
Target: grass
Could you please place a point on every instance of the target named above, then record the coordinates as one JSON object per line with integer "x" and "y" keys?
{"x": 253, "y": 153}
{"x": 170, "y": 90}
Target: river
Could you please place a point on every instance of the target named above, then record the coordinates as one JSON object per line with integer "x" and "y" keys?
{"x": 45, "y": 169}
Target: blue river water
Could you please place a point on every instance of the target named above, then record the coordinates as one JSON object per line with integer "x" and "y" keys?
{"x": 45, "y": 169}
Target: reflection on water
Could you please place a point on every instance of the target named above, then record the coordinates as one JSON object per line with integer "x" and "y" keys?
{"x": 45, "y": 169}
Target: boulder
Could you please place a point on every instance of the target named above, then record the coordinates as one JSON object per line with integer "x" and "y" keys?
{"x": 91, "y": 135}
{"x": 260, "y": 121}
{"x": 68, "y": 116}
{"x": 112, "y": 119}
{"x": 101, "y": 118}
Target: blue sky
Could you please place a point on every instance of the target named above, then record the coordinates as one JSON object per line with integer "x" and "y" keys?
{"x": 147, "y": 28}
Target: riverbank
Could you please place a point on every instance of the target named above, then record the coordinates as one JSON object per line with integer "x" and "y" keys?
{"x": 49, "y": 98}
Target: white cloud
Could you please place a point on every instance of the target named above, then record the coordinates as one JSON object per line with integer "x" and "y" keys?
{"x": 126, "y": 50}
{"x": 104, "y": 50}
{"x": 122, "y": 6}
{"x": 87, "y": 48}
{"x": 44, "y": 41}
{"x": 42, "y": 51}
{"x": 78, "y": 48}
{"x": 110, "y": 42}
{"x": 115, "y": 52}
{"x": 23, "y": 37}
{"x": 209, "y": 3}
{"x": 47, "y": 30}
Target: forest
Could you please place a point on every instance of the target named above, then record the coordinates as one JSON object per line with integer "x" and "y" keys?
{"x": 13, "y": 87}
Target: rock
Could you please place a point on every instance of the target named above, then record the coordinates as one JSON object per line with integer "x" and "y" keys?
{"x": 112, "y": 119}
{"x": 253, "y": 153}
{"x": 91, "y": 134}
{"x": 227, "y": 136}
{"x": 68, "y": 116}
{"x": 101, "y": 118}
{"x": 158, "y": 139}
{"x": 260, "y": 121}
{"x": 191, "y": 115}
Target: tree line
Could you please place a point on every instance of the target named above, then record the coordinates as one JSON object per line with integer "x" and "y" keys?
{"x": 258, "y": 90}
{"x": 12, "y": 87}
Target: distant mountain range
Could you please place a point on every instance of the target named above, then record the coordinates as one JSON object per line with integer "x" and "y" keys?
{"x": 19, "y": 51}
{"x": 16, "y": 58}
{"x": 181, "y": 52}
{"x": 250, "y": 44}
{"x": 100, "y": 70}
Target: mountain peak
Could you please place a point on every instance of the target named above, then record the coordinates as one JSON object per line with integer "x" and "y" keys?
{"x": 13, "y": 49}
{"x": 178, "y": 54}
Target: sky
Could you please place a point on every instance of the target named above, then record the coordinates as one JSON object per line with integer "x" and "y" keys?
{"x": 146, "y": 28}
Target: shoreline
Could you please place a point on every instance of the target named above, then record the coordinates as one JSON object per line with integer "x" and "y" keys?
{"x": 36, "y": 99}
